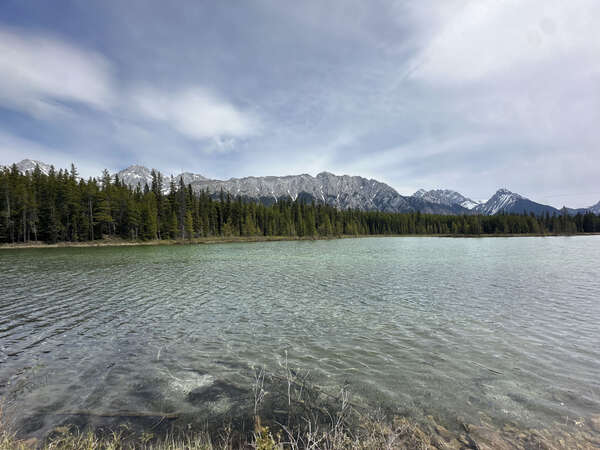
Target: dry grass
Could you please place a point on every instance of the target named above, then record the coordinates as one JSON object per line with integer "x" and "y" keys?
{"x": 291, "y": 413}
{"x": 399, "y": 435}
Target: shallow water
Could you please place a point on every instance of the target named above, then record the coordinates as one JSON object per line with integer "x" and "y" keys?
{"x": 508, "y": 328}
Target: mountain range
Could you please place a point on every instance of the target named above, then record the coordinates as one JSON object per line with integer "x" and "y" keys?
{"x": 341, "y": 191}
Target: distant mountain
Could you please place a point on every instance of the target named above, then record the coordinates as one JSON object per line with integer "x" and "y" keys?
{"x": 189, "y": 178}
{"x": 595, "y": 209}
{"x": 446, "y": 197}
{"x": 28, "y": 165}
{"x": 341, "y": 191}
{"x": 344, "y": 191}
{"x": 418, "y": 204}
{"x": 135, "y": 176}
{"x": 509, "y": 202}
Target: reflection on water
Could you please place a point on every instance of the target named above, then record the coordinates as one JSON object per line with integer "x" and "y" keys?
{"x": 456, "y": 328}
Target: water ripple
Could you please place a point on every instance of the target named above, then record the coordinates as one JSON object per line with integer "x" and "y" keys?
{"x": 459, "y": 327}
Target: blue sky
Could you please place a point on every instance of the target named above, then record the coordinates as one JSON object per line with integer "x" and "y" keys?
{"x": 466, "y": 95}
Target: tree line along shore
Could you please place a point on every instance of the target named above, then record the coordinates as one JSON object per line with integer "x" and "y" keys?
{"x": 60, "y": 207}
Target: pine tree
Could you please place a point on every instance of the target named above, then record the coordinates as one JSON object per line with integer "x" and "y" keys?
{"x": 102, "y": 216}
{"x": 173, "y": 225}
{"x": 189, "y": 225}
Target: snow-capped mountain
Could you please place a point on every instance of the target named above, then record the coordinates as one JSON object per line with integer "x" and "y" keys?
{"x": 189, "y": 178}
{"x": 135, "y": 176}
{"x": 446, "y": 197}
{"x": 28, "y": 165}
{"x": 341, "y": 191}
{"x": 344, "y": 191}
{"x": 509, "y": 202}
{"x": 502, "y": 200}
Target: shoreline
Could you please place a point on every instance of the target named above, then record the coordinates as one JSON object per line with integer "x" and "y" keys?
{"x": 297, "y": 426}
{"x": 250, "y": 239}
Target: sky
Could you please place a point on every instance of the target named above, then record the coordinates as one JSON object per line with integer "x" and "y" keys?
{"x": 464, "y": 95}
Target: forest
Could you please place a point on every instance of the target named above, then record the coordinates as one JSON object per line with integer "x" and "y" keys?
{"x": 62, "y": 207}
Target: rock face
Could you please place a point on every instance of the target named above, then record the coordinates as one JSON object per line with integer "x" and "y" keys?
{"x": 340, "y": 191}
{"x": 189, "y": 178}
{"x": 344, "y": 192}
{"x": 446, "y": 197}
{"x": 135, "y": 176}
{"x": 28, "y": 165}
{"x": 509, "y": 202}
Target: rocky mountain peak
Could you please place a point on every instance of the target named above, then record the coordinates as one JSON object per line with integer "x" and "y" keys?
{"x": 504, "y": 191}
{"x": 446, "y": 197}
{"x": 28, "y": 165}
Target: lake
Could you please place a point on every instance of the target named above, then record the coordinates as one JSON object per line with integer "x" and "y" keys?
{"x": 506, "y": 328}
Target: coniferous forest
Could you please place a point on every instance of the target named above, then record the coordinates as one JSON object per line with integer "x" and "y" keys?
{"x": 61, "y": 207}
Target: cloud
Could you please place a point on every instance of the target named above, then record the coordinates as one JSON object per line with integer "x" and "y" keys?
{"x": 486, "y": 39}
{"x": 464, "y": 94}
{"x": 40, "y": 71}
{"x": 42, "y": 74}
{"x": 196, "y": 113}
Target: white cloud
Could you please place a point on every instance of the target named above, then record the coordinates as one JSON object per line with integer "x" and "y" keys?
{"x": 196, "y": 113}
{"x": 40, "y": 70}
{"x": 489, "y": 38}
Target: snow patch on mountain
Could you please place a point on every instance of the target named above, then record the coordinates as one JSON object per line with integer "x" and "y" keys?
{"x": 446, "y": 197}
{"x": 502, "y": 200}
{"x": 141, "y": 176}
{"x": 135, "y": 176}
{"x": 28, "y": 165}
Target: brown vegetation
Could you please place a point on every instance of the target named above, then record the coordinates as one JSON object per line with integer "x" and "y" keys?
{"x": 291, "y": 413}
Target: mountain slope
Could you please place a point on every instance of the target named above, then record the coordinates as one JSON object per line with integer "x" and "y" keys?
{"x": 135, "y": 176}
{"x": 341, "y": 191}
{"x": 418, "y": 204}
{"x": 509, "y": 202}
{"x": 28, "y": 165}
{"x": 344, "y": 192}
{"x": 445, "y": 197}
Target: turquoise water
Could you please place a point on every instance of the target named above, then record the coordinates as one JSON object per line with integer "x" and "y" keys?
{"x": 508, "y": 328}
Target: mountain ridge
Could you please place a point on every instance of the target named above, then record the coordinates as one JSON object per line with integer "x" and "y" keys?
{"x": 446, "y": 197}
{"x": 341, "y": 191}
{"x": 505, "y": 201}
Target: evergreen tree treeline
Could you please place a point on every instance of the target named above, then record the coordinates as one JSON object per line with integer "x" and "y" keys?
{"x": 59, "y": 206}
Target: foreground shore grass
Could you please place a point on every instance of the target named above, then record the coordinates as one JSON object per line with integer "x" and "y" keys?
{"x": 288, "y": 411}
{"x": 399, "y": 433}
{"x": 116, "y": 242}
